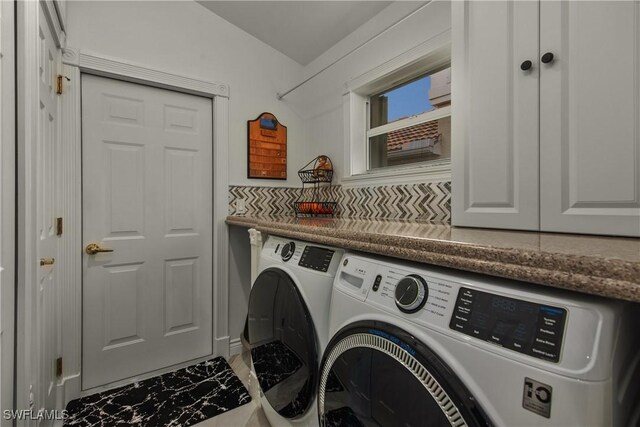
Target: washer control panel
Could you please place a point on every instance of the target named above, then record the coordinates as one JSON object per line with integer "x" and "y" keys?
{"x": 524, "y": 326}
{"x": 297, "y": 254}
{"x": 316, "y": 258}
{"x": 402, "y": 291}
{"x": 546, "y": 328}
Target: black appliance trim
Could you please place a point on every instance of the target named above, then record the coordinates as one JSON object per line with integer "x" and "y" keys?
{"x": 314, "y": 364}
{"x": 466, "y": 404}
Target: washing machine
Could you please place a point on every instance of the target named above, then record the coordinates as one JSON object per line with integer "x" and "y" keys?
{"x": 415, "y": 345}
{"x": 288, "y": 322}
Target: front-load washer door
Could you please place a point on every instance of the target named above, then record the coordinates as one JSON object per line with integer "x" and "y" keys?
{"x": 283, "y": 343}
{"x": 375, "y": 374}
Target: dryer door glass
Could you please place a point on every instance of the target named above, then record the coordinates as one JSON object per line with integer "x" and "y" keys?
{"x": 283, "y": 343}
{"x": 377, "y": 375}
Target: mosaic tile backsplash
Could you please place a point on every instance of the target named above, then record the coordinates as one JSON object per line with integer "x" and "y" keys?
{"x": 427, "y": 202}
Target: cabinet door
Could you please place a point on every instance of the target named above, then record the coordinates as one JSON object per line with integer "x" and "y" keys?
{"x": 495, "y": 114}
{"x": 590, "y": 117}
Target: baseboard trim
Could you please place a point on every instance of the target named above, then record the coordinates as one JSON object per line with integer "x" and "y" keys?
{"x": 221, "y": 346}
{"x": 235, "y": 346}
{"x": 72, "y": 388}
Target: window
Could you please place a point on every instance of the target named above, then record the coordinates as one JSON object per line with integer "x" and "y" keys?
{"x": 397, "y": 118}
{"x": 410, "y": 122}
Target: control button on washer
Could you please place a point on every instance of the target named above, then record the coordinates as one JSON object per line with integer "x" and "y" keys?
{"x": 498, "y": 339}
{"x": 517, "y": 345}
{"x": 287, "y": 251}
{"x": 464, "y": 310}
{"x": 544, "y": 353}
{"x": 411, "y": 293}
{"x": 460, "y": 326}
{"x": 376, "y": 283}
{"x": 552, "y": 344}
{"x": 549, "y": 321}
{"x": 467, "y": 293}
{"x": 460, "y": 318}
{"x": 478, "y": 333}
{"x": 547, "y": 332}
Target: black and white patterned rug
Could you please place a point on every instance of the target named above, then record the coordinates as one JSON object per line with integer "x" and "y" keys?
{"x": 180, "y": 398}
{"x": 274, "y": 362}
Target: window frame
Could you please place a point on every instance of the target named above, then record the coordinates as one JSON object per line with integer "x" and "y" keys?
{"x": 426, "y": 58}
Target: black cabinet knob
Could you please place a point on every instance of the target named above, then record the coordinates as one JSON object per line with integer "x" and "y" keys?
{"x": 526, "y": 65}
{"x": 547, "y": 58}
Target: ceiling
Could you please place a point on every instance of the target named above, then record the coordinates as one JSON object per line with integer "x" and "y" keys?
{"x": 302, "y": 30}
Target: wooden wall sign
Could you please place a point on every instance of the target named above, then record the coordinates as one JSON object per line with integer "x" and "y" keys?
{"x": 267, "y": 149}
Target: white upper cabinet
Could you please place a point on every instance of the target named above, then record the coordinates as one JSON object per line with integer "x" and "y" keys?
{"x": 495, "y": 114}
{"x": 590, "y": 117}
{"x": 555, "y": 147}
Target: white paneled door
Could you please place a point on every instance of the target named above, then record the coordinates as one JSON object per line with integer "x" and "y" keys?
{"x": 47, "y": 304}
{"x": 147, "y": 196}
{"x": 495, "y": 114}
{"x": 590, "y": 117}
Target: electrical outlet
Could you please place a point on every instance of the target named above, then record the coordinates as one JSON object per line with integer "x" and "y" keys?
{"x": 241, "y": 207}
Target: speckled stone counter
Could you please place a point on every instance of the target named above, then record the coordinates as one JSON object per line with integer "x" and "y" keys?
{"x": 605, "y": 266}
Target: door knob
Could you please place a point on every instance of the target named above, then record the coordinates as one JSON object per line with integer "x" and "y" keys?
{"x": 547, "y": 58}
{"x": 526, "y": 65}
{"x": 47, "y": 261}
{"x": 95, "y": 248}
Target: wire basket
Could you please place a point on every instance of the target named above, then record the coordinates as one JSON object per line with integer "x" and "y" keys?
{"x": 317, "y": 170}
{"x": 312, "y": 176}
{"x": 316, "y": 196}
{"x": 315, "y": 208}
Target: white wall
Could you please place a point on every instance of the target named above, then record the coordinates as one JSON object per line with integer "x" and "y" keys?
{"x": 183, "y": 37}
{"x": 323, "y": 95}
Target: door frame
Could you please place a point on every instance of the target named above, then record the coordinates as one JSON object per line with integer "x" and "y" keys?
{"x": 76, "y": 63}
{"x": 27, "y": 15}
{"x": 7, "y": 203}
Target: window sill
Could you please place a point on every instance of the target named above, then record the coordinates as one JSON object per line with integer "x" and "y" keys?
{"x": 413, "y": 174}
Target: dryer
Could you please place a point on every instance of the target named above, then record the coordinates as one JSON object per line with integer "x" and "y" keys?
{"x": 288, "y": 321}
{"x": 415, "y": 345}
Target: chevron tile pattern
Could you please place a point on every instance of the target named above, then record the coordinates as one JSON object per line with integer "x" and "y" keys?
{"x": 263, "y": 201}
{"x": 426, "y": 202}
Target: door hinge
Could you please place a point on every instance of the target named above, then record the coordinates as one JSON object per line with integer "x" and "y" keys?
{"x": 60, "y": 83}
{"x": 59, "y": 226}
{"x": 59, "y": 367}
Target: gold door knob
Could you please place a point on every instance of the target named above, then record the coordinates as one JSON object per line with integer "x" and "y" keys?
{"x": 47, "y": 261}
{"x": 95, "y": 248}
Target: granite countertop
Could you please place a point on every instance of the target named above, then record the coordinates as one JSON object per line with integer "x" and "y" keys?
{"x": 604, "y": 266}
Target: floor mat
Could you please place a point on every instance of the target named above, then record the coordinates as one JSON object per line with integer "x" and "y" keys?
{"x": 274, "y": 362}
{"x": 180, "y": 398}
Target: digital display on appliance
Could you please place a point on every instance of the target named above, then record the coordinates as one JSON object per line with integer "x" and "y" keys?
{"x": 316, "y": 258}
{"x": 526, "y": 327}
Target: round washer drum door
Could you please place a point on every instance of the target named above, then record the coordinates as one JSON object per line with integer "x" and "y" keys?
{"x": 283, "y": 343}
{"x": 375, "y": 374}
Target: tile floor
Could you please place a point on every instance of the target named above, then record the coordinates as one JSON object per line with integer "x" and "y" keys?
{"x": 249, "y": 415}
